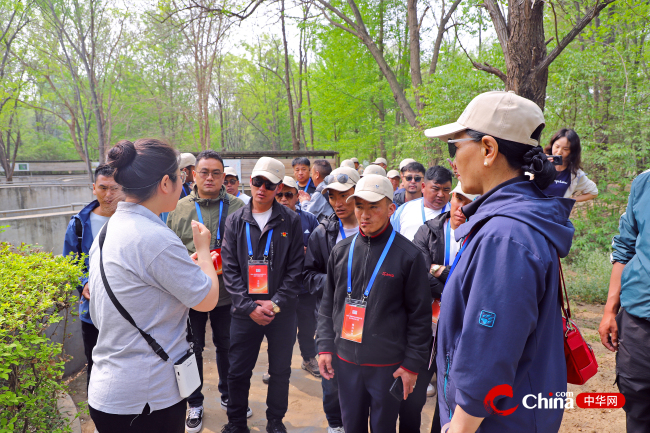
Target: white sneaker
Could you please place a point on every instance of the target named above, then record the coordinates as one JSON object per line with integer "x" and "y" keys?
{"x": 224, "y": 406}
{"x": 194, "y": 421}
{"x": 335, "y": 430}
{"x": 431, "y": 391}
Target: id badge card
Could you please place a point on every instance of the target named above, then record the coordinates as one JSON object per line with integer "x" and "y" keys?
{"x": 258, "y": 277}
{"x": 354, "y": 315}
{"x": 218, "y": 266}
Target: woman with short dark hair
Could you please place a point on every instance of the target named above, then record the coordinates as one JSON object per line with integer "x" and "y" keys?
{"x": 570, "y": 180}
{"x": 500, "y": 332}
{"x": 146, "y": 266}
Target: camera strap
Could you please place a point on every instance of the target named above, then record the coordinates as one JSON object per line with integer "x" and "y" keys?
{"x": 150, "y": 340}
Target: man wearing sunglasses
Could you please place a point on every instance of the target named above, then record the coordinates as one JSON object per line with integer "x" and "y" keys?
{"x": 436, "y": 189}
{"x": 210, "y": 204}
{"x": 412, "y": 175}
{"x": 306, "y": 311}
{"x": 232, "y": 184}
{"x": 263, "y": 255}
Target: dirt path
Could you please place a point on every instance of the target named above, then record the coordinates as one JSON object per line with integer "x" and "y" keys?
{"x": 305, "y": 413}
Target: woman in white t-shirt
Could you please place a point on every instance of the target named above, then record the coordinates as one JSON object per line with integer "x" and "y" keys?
{"x": 147, "y": 267}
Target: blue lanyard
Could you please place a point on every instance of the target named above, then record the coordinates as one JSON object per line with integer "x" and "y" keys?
{"x": 341, "y": 230}
{"x": 250, "y": 246}
{"x": 308, "y": 183}
{"x": 198, "y": 212}
{"x": 424, "y": 218}
{"x": 379, "y": 263}
{"x": 469, "y": 238}
{"x": 447, "y": 241}
{"x": 183, "y": 192}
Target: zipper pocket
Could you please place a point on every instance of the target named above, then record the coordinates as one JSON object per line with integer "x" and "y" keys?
{"x": 451, "y": 413}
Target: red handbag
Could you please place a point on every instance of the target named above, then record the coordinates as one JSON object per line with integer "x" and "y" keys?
{"x": 581, "y": 364}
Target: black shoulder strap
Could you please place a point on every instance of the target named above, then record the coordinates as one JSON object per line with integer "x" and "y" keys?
{"x": 152, "y": 342}
{"x": 79, "y": 231}
{"x": 222, "y": 223}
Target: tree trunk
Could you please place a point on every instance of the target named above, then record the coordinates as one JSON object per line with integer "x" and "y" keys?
{"x": 414, "y": 48}
{"x": 294, "y": 139}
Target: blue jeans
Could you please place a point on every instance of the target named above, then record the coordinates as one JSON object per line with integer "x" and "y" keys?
{"x": 331, "y": 405}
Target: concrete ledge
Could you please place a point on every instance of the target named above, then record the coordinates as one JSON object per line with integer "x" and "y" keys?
{"x": 68, "y": 411}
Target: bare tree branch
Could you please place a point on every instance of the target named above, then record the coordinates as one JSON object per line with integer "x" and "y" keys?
{"x": 481, "y": 66}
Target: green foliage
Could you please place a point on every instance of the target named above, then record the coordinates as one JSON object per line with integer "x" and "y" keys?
{"x": 34, "y": 287}
{"x": 587, "y": 277}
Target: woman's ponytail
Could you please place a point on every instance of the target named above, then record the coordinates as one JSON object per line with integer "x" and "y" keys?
{"x": 536, "y": 162}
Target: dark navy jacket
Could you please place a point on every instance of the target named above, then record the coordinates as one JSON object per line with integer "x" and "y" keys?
{"x": 309, "y": 223}
{"x": 500, "y": 320}
{"x": 71, "y": 246}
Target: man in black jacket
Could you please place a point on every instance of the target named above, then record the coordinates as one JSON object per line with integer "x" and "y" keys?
{"x": 263, "y": 256}
{"x": 436, "y": 241}
{"x": 337, "y": 227}
{"x": 375, "y": 315}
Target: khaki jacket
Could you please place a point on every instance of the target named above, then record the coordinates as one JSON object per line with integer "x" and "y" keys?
{"x": 180, "y": 221}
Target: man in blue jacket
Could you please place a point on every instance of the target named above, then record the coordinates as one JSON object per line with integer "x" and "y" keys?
{"x": 79, "y": 236}
{"x": 625, "y": 327}
{"x": 306, "y": 312}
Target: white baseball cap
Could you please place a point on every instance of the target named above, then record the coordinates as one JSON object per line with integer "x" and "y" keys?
{"x": 270, "y": 168}
{"x": 459, "y": 190}
{"x": 393, "y": 173}
{"x": 186, "y": 160}
{"x": 504, "y": 115}
{"x": 406, "y": 162}
{"x": 347, "y": 163}
{"x": 373, "y": 188}
{"x": 354, "y": 160}
{"x": 342, "y": 183}
{"x": 230, "y": 171}
{"x": 374, "y": 169}
{"x": 380, "y": 161}
{"x": 290, "y": 182}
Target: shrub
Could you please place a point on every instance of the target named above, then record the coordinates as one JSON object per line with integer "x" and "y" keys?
{"x": 34, "y": 287}
{"x": 587, "y": 277}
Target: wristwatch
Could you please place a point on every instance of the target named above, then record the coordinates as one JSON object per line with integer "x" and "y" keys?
{"x": 276, "y": 309}
{"x": 435, "y": 269}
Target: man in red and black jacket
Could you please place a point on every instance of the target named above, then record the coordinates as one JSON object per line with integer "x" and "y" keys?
{"x": 375, "y": 315}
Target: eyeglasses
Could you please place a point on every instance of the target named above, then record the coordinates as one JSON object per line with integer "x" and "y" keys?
{"x": 183, "y": 176}
{"x": 206, "y": 174}
{"x": 288, "y": 195}
{"x": 231, "y": 181}
{"x": 412, "y": 178}
{"x": 257, "y": 182}
{"x": 452, "y": 146}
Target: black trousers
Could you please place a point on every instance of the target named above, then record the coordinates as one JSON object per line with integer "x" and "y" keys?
{"x": 364, "y": 392}
{"x": 410, "y": 411}
{"x": 633, "y": 370}
{"x": 220, "y": 324}
{"x": 89, "y": 336}
{"x": 306, "y": 313}
{"x": 331, "y": 405}
{"x": 245, "y": 341}
{"x": 168, "y": 420}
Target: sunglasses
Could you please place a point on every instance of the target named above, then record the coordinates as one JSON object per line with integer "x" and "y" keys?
{"x": 341, "y": 178}
{"x": 257, "y": 182}
{"x": 230, "y": 181}
{"x": 452, "y": 146}
{"x": 288, "y": 195}
{"x": 412, "y": 178}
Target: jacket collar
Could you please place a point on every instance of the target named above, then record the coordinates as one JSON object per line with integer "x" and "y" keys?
{"x": 379, "y": 238}
{"x": 194, "y": 196}
{"x": 134, "y": 208}
{"x": 276, "y": 211}
{"x": 438, "y": 223}
{"x": 471, "y": 208}
{"x": 84, "y": 213}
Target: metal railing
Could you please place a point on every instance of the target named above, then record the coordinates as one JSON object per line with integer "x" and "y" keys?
{"x": 38, "y": 210}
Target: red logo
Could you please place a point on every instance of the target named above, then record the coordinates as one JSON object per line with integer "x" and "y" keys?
{"x": 498, "y": 391}
{"x": 385, "y": 274}
{"x": 600, "y": 400}
{"x": 284, "y": 234}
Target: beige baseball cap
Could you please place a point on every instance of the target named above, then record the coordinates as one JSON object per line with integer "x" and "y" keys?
{"x": 230, "y": 171}
{"x": 354, "y": 160}
{"x": 373, "y": 188}
{"x": 406, "y": 162}
{"x": 393, "y": 173}
{"x": 290, "y": 182}
{"x": 347, "y": 163}
{"x": 380, "y": 161}
{"x": 459, "y": 190}
{"x": 186, "y": 160}
{"x": 374, "y": 169}
{"x": 350, "y": 179}
{"x": 270, "y": 168}
{"x": 503, "y": 115}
